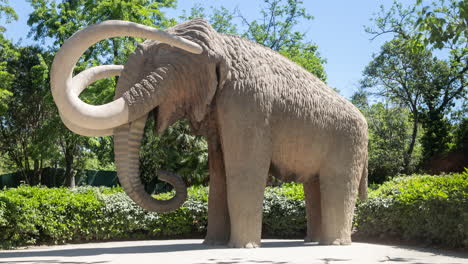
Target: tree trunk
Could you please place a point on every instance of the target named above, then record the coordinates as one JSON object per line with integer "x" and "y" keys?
{"x": 69, "y": 174}
{"x": 409, "y": 152}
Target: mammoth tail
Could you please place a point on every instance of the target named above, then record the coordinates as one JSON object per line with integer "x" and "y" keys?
{"x": 363, "y": 183}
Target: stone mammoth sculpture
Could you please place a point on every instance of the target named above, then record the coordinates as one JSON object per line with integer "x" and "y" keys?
{"x": 260, "y": 113}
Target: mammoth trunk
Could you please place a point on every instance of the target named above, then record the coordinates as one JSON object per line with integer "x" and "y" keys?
{"x": 127, "y": 141}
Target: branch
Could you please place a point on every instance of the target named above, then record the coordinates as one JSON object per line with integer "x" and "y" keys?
{"x": 448, "y": 98}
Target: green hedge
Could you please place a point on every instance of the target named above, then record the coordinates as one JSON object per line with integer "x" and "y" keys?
{"x": 432, "y": 209}
{"x": 427, "y": 208}
{"x": 40, "y": 215}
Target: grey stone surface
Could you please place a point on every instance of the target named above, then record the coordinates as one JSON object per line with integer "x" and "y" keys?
{"x": 192, "y": 251}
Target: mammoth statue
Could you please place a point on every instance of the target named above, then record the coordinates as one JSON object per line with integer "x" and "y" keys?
{"x": 260, "y": 113}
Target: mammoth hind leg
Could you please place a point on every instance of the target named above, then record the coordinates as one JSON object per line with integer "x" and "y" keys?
{"x": 338, "y": 191}
{"x": 313, "y": 209}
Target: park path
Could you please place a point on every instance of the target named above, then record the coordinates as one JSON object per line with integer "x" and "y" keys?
{"x": 193, "y": 252}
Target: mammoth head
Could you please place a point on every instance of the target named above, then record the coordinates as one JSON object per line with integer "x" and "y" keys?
{"x": 176, "y": 71}
{"x": 178, "y": 82}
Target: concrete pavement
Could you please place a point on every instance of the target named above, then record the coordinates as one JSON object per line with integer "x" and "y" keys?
{"x": 192, "y": 251}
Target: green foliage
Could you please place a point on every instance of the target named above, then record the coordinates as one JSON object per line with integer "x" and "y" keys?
{"x": 7, "y": 14}
{"x": 220, "y": 18}
{"x": 284, "y": 211}
{"x": 175, "y": 150}
{"x": 276, "y": 30}
{"x": 37, "y": 215}
{"x": 6, "y": 78}
{"x": 461, "y": 136}
{"x": 7, "y": 52}
{"x": 419, "y": 207}
{"x": 407, "y": 72}
{"x": 444, "y": 23}
{"x": 390, "y": 131}
{"x": 437, "y": 138}
{"x": 31, "y": 215}
{"x": 427, "y": 208}
{"x": 25, "y": 138}
{"x": 307, "y": 56}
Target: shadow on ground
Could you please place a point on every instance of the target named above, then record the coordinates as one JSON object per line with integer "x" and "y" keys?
{"x": 81, "y": 252}
{"x": 39, "y": 255}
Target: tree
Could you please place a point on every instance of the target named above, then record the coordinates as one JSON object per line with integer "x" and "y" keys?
{"x": 276, "y": 30}
{"x": 390, "y": 132}
{"x": 23, "y": 127}
{"x": 439, "y": 83}
{"x": 444, "y": 23}
{"x": 398, "y": 73}
{"x": 7, "y": 13}
{"x": 7, "y": 52}
{"x": 220, "y": 18}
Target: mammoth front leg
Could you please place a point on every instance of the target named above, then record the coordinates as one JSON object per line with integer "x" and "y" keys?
{"x": 247, "y": 158}
{"x": 218, "y": 215}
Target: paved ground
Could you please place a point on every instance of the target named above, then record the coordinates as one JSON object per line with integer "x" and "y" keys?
{"x": 192, "y": 251}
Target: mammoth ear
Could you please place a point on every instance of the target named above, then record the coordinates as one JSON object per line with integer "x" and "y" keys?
{"x": 211, "y": 81}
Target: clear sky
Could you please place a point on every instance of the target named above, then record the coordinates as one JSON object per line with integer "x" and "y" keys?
{"x": 337, "y": 28}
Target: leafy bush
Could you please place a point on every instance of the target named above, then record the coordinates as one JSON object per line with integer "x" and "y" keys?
{"x": 427, "y": 208}
{"x": 35, "y": 215}
{"x": 30, "y": 215}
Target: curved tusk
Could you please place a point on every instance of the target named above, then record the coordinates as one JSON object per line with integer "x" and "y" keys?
{"x": 88, "y": 76}
{"x": 86, "y": 131}
{"x": 81, "y": 81}
{"x": 65, "y": 95}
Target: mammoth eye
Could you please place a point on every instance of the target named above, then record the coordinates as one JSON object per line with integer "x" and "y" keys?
{"x": 163, "y": 49}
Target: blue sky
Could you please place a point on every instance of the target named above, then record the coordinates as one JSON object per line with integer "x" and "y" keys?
{"x": 337, "y": 28}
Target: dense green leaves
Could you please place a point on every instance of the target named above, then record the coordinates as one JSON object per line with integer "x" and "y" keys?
{"x": 37, "y": 215}
{"x": 220, "y": 18}
{"x": 276, "y": 30}
{"x": 445, "y": 23}
{"x": 25, "y": 137}
{"x": 7, "y": 14}
{"x": 7, "y": 52}
{"x": 432, "y": 209}
{"x": 420, "y": 207}
{"x": 390, "y": 129}
{"x": 177, "y": 151}
{"x": 407, "y": 72}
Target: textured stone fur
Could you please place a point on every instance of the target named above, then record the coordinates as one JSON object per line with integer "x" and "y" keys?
{"x": 261, "y": 113}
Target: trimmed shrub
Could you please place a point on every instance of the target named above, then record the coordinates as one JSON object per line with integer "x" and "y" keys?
{"x": 422, "y": 207}
{"x": 433, "y": 209}
{"x": 40, "y": 215}
{"x": 31, "y": 215}
{"x": 35, "y": 215}
{"x": 284, "y": 212}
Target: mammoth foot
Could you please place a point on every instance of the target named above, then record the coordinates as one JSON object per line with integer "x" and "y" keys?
{"x": 214, "y": 242}
{"x": 335, "y": 241}
{"x": 240, "y": 244}
{"x": 311, "y": 239}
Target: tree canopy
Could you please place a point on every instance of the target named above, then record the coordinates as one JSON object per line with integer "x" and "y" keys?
{"x": 407, "y": 71}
